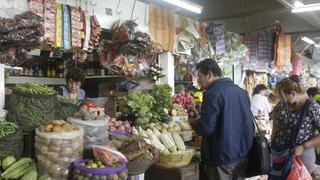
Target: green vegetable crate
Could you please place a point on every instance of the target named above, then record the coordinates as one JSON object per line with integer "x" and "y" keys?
{"x": 32, "y": 105}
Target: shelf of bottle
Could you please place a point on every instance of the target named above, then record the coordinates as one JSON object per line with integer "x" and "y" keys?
{"x": 29, "y": 79}
{"x": 102, "y": 77}
{"x": 52, "y": 81}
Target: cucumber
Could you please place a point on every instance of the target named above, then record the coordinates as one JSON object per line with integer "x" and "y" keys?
{"x": 32, "y": 174}
{"x": 16, "y": 165}
{"x": 17, "y": 172}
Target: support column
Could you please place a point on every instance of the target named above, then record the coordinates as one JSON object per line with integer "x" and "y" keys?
{"x": 2, "y": 91}
{"x": 166, "y": 61}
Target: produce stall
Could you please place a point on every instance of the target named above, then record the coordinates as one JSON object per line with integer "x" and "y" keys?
{"x": 73, "y": 141}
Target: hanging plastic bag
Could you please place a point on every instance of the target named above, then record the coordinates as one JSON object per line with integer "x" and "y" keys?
{"x": 298, "y": 171}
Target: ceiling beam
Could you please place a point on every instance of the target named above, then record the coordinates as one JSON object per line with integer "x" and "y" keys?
{"x": 309, "y": 17}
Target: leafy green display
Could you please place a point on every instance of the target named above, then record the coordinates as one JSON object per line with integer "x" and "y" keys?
{"x": 162, "y": 95}
{"x": 139, "y": 101}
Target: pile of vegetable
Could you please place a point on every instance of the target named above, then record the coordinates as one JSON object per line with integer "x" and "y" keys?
{"x": 193, "y": 111}
{"x": 32, "y": 105}
{"x": 11, "y": 140}
{"x": 23, "y": 169}
{"x": 166, "y": 142}
{"x": 119, "y": 127}
{"x": 178, "y": 110}
{"x": 183, "y": 98}
{"x": 66, "y": 107}
{"x": 7, "y": 128}
{"x": 162, "y": 96}
{"x": 140, "y": 103}
{"x": 57, "y": 147}
{"x": 86, "y": 115}
{"x": 108, "y": 163}
{"x": 138, "y": 150}
{"x": 35, "y": 88}
{"x": 98, "y": 164}
{"x": 57, "y": 126}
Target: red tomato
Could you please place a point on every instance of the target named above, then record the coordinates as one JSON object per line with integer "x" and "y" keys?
{"x": 88, "y": 104}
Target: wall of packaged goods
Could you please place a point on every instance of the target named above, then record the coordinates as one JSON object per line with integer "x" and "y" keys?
{"x": 102, "y": 7}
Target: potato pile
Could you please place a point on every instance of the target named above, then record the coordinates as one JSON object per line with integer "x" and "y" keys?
{"x": 58, "y": 126}
{"x": 57, "y": 145}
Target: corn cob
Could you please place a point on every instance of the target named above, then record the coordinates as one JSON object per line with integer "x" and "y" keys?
{"x": 179, "y": 142}
{"x": 168, "y": 143}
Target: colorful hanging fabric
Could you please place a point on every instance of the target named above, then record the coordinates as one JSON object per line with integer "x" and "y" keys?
{"x": 217, "y": 37}
{"x": 161, "y": 26}
{"x": 251, "y": 41}
{"x": 282, "y": 48}
{"x": 266, "y": 45}
{"x": 297, "y": 63}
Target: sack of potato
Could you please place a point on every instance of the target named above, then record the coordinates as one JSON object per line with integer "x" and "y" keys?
{"x": 95, "y": 133}
{"x": 57, "y": 145}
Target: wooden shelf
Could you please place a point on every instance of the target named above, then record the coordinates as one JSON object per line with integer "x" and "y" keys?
{"x": 102, "y": 77}
{"x": 27, "y": 79}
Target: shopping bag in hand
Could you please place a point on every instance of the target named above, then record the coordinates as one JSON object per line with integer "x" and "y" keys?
{"x": 298, "y": 171}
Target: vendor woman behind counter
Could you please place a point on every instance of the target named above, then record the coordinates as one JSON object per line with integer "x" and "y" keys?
{"x": 74, "y": 79}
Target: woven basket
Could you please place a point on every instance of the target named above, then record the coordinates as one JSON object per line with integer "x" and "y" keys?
{"x": 175, "y": 160}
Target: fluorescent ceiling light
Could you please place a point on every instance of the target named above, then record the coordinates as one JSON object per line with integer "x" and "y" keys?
{"x": 298, "y": 4}
{"x": 306, "y": 8}
{"x": 307, "y": 40}
{"x": 186, "y": 5}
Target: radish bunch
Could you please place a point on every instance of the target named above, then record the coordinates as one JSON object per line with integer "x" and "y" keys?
{"x": 119, "y": 126}
{"x": 183, "y": 98}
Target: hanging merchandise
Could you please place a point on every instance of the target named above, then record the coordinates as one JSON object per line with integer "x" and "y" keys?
{"x": 19, "y": 34}
{"x": 87, "y": 31}
{"x": 155, "y": 72}
{"x": 297, "y": 63}
{"x": 161, "y": 26}
{"x": 266, "y": 41}
{"x": 37, "y": 7}
{"x": 95, "y": 33}
{"x": 251, "y": 41}
{"x": 66, "y": 36}
{"x": 59, "y": 27}
{"x": 49, "y": 22}
{"x": 236, "y": 52}
{"x": 283, "y": 48}
{"x": 76, "y": 26}
{"x": 217, "y": 33}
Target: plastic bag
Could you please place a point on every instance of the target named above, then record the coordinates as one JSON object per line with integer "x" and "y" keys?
{"x": 55, "y": 152}
{"x": 298, "y": 171}
{"x": 95, "y": 133}
{"x": 107, "y": 155}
